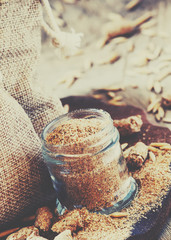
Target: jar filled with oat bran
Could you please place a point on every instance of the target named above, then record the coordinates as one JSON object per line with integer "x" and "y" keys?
{"x": 82, "y": 152}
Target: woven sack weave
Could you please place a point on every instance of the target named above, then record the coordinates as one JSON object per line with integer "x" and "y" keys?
{"x": 20, "y": 44}
{"x": 24, "y": 180}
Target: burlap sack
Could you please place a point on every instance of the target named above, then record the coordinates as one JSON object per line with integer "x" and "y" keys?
{"x": 20, "y": 44}
{"x": 24, "y": 179}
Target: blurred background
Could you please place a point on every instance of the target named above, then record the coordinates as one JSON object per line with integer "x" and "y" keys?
{"x": 124, "y": 58}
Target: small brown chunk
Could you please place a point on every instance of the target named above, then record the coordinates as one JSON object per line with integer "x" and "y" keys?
{"x": 23, "y": 233}
{"x": 70, "y": 221}
{"x": 137, "y": 156}
{"x": 127, "y": 126}
{"x": 43, "y": 219}
{"x": 66, "y": 235}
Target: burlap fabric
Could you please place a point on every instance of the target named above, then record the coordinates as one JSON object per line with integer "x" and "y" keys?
{"x": 24, "y": 179}
{"x": 20, "y": 44}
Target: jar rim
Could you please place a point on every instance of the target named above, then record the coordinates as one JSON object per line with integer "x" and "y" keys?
{"x": 92, "y": 112}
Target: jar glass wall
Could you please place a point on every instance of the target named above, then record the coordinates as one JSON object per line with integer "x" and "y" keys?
{"x": 86, "y": 166}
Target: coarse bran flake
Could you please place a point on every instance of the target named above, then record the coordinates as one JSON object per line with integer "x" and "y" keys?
{"x": 154, "y": 181}
{"x": 93, "y": 176}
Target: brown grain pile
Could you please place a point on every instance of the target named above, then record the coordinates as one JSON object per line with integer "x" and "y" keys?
{"x": 154, "y": 184}
{"x": 90, "y": 179}
{"x": 154, "y": 181}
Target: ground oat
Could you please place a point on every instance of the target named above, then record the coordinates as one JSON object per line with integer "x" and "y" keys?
{"x": 154, "y": 181}
{"x": 93, "y": 178}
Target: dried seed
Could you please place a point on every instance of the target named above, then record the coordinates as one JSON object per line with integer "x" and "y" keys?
{"x": 141, "y": 60}
{"x": 118, "y": 98}
{"x": 157, "y": 87}
{"x": 121, "y": 26}
{"x": 116, "y": 103}
{"x": 159, "y": 144}
{"x": 111, "y": 94}
{"x": 152, "y": 156}
{"x": 69, "y": 1}
{"x": 163, "y": 75}
{"x": 70, "y": 78}
{"x": 108, "y": 59}
{"x": 153, "y": 97}
{"x": 118, "y": 214}
{"x": 124, "y": 145}
{"x": 167, "y": 120}
{"x": 149, "y": 24}
{"x": 112, "y": 88}
{"x": 144, "y": 18}
{"x": 130, "y": 46}
{"x": 156, "y": 107}
{"x": 158, "y": 117}
{"x": 134, "y": 86}
{"x": 166, "y": 58}
{"x": 162, "y": 65}
{"x": 114, "y": 16}
{"x": 66, "y": 108}
{"x": 102, "y": 42}
{"x": 161, "y": 112}
{"x": 98, "y": 96}
{"x": 151, "y": 105}
{"x": 119, "y": 40}
{"x": 153, "y": 149}
{"x": 165, "y": 148}
{"x": 132, "y": 4}
{"x": 155, "y": 54}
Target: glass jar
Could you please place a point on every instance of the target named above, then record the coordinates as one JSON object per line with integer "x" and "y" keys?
{"x": 88, "y": 168}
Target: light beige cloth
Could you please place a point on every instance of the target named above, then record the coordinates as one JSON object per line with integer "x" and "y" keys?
{"x": 24, "y": 179}
{"x": 20, "y": 45}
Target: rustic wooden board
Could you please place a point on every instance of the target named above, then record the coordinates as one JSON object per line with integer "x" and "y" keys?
{"x": 150, "y": 227}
